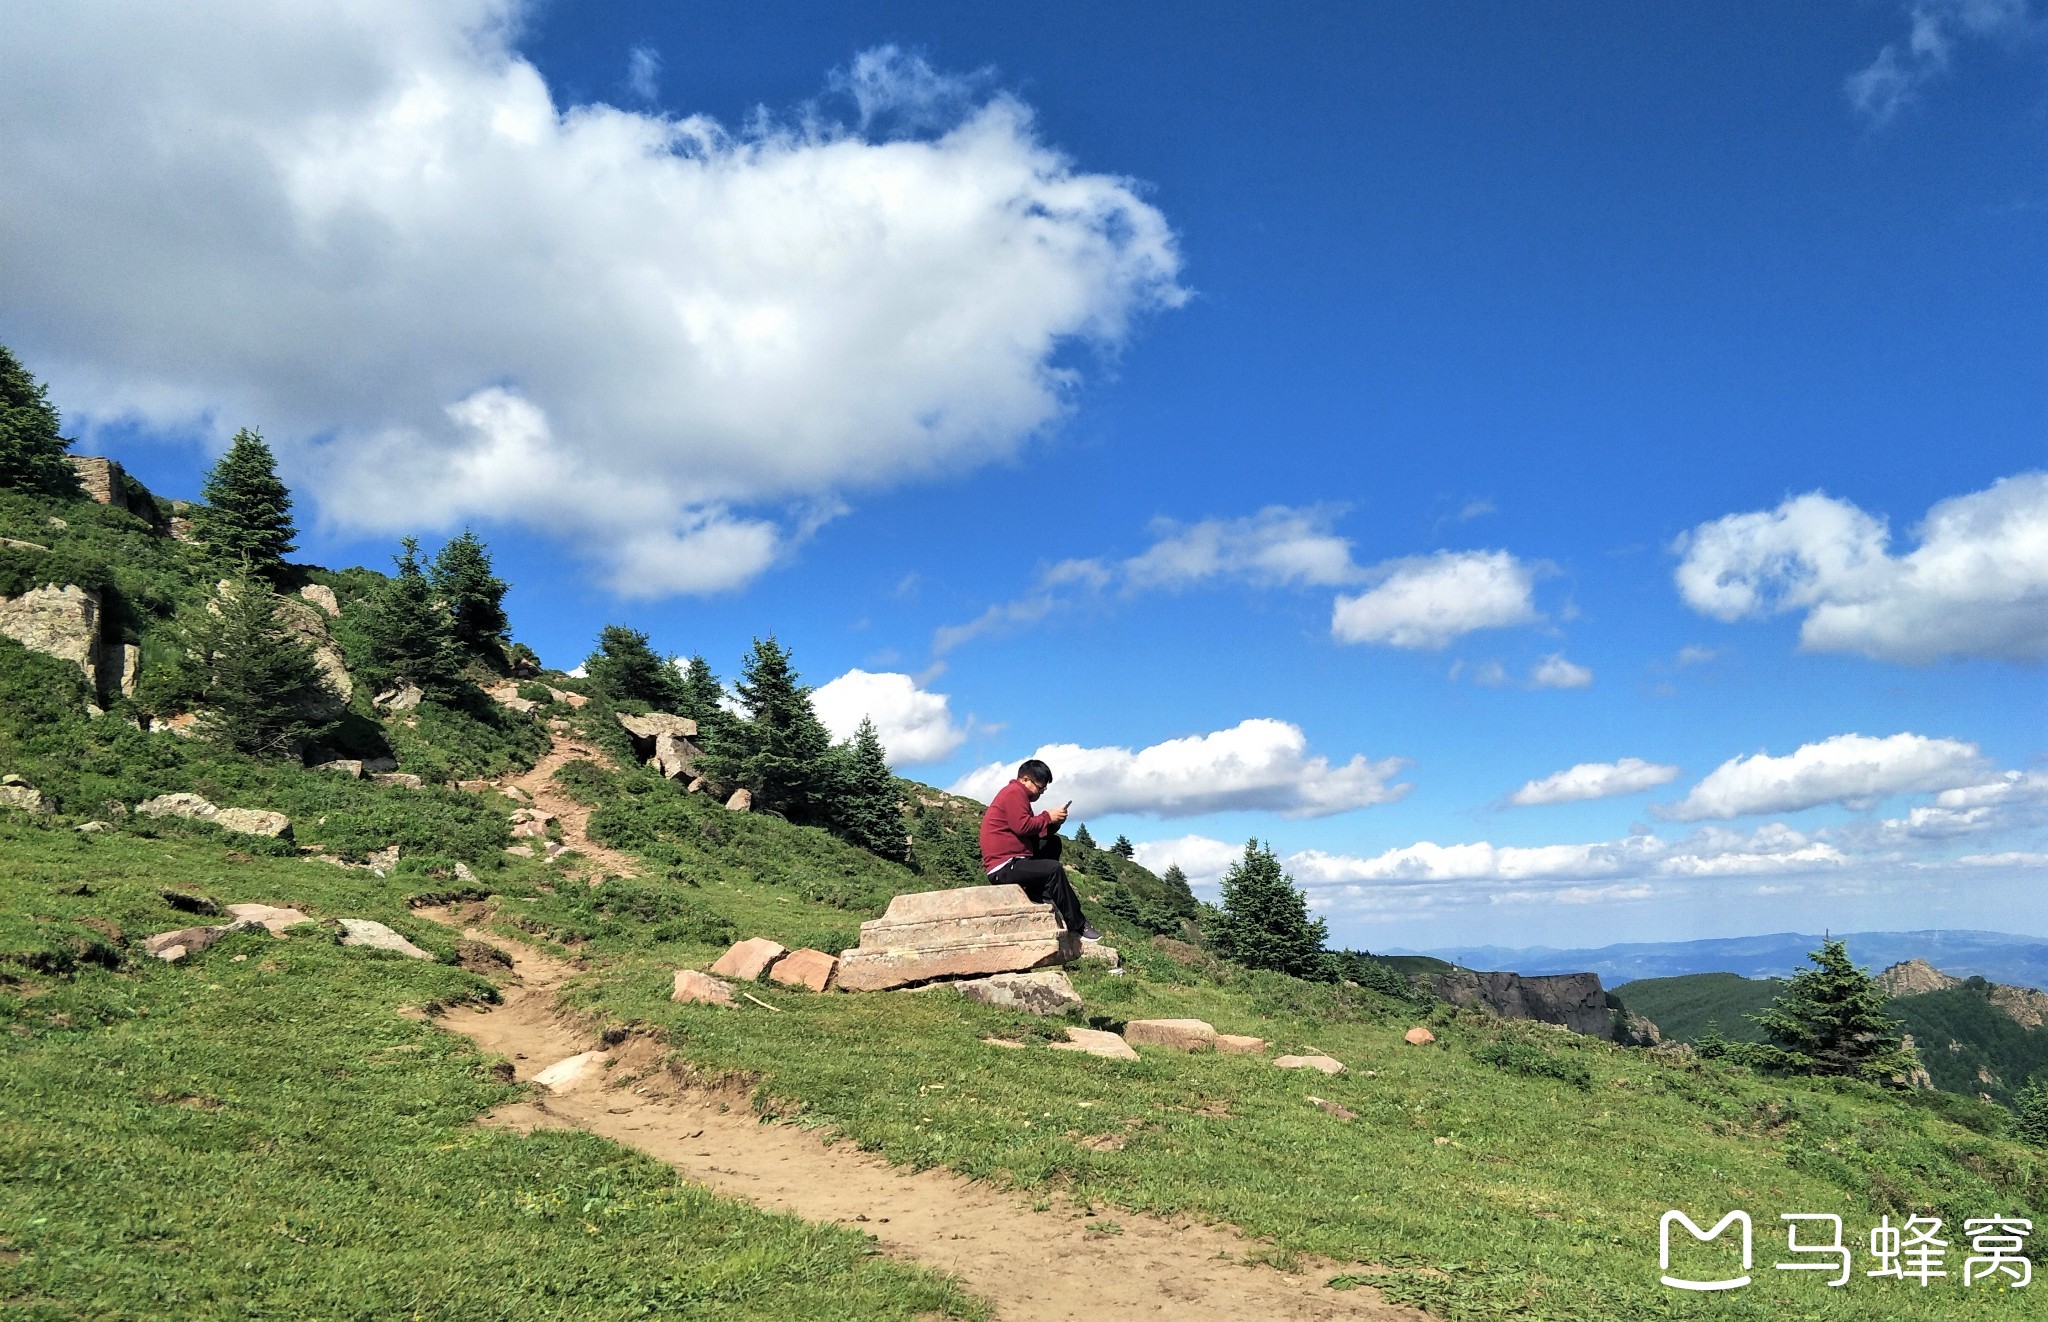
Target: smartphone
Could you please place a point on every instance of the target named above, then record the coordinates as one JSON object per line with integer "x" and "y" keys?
{"x": 1068, "y": 804}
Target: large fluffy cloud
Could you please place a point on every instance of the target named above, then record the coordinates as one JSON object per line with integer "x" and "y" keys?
{"x": 1977, "y": 585}
{"x": 1427, "y": 601}
{"x": 672, "y": 342}
{"x": 1852, "y": 769}
{"x": 914, "y": 725}
{"x": 1258, "y": 764}
{"x": 1595, "y": 780}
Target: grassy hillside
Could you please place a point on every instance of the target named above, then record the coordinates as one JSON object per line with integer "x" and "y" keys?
{"x": 1684, "y": 1008}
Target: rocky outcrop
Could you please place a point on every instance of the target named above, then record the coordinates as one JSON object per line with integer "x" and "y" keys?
{"x": 1915, "y": 977}
{"x": 1043, "y": 992}
{"x": 655, "y": 724}
{"x": 662, "y": 741}
{"x": 18, "y": 794}
{"x": 248, "y": 821}
{"x": 57, "y": 620}
{"x": 966, "y": 933}
{"x": 675, "y": 757}
{"x": 1571, "y": 1000}
{"x": 2025, "y": 1006}
{"x": 322, "y": 596}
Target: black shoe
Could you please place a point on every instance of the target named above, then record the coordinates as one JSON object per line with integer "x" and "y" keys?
{"x": 1088, "y": 933}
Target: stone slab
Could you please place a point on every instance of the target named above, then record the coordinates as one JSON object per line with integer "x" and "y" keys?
{"x": 254, "y": 821}
{"x": 1240, "y": 1045}
{"x": 702, "y": 989}
{"x": 879, "y": 970}
{"x": 811, "y": 969}
{"x": 1180, "y": 1034}
{"x": 275, "y": 920}
{"x": 1042, "y": 992}
{"x": 959, "y": 902}
{"x": 749, "y": 959}
{"x": 657, "y": 723}
{"x": 1323, "y": 1064}
{"x": 1096, "y": 1042}
{"x": 376, "y": 936}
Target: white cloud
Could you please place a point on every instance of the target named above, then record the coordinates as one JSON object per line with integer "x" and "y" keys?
{"x": 1427, "y": 601}
{"x": 914, "y": 725}
{"x": 2009, "y": 859}
{"x": 1202, "y": 859}
{"x": 1257, "y": 764}
{"x": 1595, "y": 780}
{"x": 1277, "y": 546}
{"x": 643, "y": 72}
{"x": 1554, "y": 672}
{"x": 2015, "y": 799}
{"x": 1977, "y": 585}
{"x": 1851, "y": 769}
{"x": 1692, "y": 654}
{"x": 1894, "y": 79}
{"x": 371, "y": 230}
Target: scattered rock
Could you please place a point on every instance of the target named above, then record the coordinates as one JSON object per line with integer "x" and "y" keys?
{"x": 376, "y": 936}
{"x": 191, "y": 940}
{"x": 522, "y": 851}
{"x": 1094, "y": 949}
{"x": 1341, "y": 1112}
{"x": 968, "y": 932}
{"x": 1096, "y": 1042}
{"x": 1008, "y": 1042}
{"x": 741, "y": 801}
{"x": 184, "y": 725}
{"x": 25, "y": 799}
{"x": 576, "y": 1072}
{"x": 58, "y": 621}
{"x": 813, "y": 969}
{"x": 20, "y": 545}
{"x": 1239, "y": 1045}
{"x": 567, "y": 697}
{"x": 1321, "y": 1063}
{"x": 463, "y": 873}
{"x": 701, "y": 988}
{"x": 398, "y": 780}
{"x": 91, "y": 828}
{"x": 185, "y": 903}
{"x": 403, "y": 698}
{"x": 322, "y": 596}
{"x": 272, "y": 919}
{"x": 1180, "y": 1034}
{"x": 172, "y": 954}
{"x": 530, "y": 823}
{"x": 178, "y": 805}
{"x": 1418, "y": 1036}
{"x": 382, "y": 860}
{"x": 747, "y": 960}
{"x": 254, "y": 821}
{"x": 697, "y": 785}
{"x": 346, "y": 766}
{"x": 1041, "y": 992}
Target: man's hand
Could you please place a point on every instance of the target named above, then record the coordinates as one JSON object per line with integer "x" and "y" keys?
{"x": 1058, "y": 815}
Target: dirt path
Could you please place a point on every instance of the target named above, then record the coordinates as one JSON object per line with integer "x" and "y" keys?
{"x": 538, "y": 785}
{"x": 1035, "y": 1266}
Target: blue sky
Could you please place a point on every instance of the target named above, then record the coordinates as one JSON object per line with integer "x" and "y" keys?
{"x": 1330, "y": 426}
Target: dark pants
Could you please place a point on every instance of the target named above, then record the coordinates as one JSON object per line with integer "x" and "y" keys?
{"x": 1044, "y": 880}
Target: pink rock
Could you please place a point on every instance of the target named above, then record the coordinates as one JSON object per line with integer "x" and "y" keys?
{"x": 1320, "y": 1063}
{"x": 701, "y": 989}
{"x": 749, "y": 959}
{"x": 1096, "y": 1043}
{"x": 1180, "y": 1034}
{"x": 805, "y": 968}
{"x": 1238, "y": 1044}
{"x": 1418, "y": 1036}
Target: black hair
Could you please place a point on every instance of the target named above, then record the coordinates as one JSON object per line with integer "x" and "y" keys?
{"x": 1036, "y": 770}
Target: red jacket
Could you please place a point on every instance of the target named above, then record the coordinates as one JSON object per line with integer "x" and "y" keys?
{"x": 1009, "y": 829}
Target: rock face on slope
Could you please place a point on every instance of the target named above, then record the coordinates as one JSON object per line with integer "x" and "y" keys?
{"x": 60, "y": 620}
{"x": 662, "y": 740}
{"x": 966, "y": 933}
{"x": 1571, "y": 1000}
{"x": 1915, "y": 977}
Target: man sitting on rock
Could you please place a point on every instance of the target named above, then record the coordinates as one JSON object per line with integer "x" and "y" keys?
{"x": 1022, "y": 848}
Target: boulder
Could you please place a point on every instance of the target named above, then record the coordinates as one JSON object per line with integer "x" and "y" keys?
{"x": 192, "y": 940}
{"x": 254, "y": 821}
{"x": 375, "y": 765}
{"x": 1091, "y": 948}
{"x": 322, "y": 596}
{"x": 25, "y": 799}
{"x": 748, "y": 959}
{"x": 1237, "y": 1044}
{"x": 271, "y": 918}
{"x": 352, "y": 767}
{"x": 1418, "y": 1036}
{"x": 579, "y": 1071}
{"x": 1322, "y": 1064}
{"x": 398, "y": 780}
{"x": 530, "y": 823}
{"x": 741, "y": 801}
{"x": 697, "y": 785}
{"x": 184, "y": 724}
{"x": 1180, "y": 1034}
{"x": 376, "y": 936}
{"x": 1041, "y": 992}
{"x": 702, "y": 989}
{"x": 1096, "y": 1042}
{"x": 506, "y": 694}
{"x": 403, "y": 698}
{"x": 58, "y": 621}
{"x": 91, "y": 828}
{"x": 812, "y": 969}
{"x": 567, "y": 697}
{"x": 675, "y": 756}
{"x": 178, "y": 805}
{"x": 965, "y": 933}
{"x": 657, "y": 723}
{"x": 307, "y": 622}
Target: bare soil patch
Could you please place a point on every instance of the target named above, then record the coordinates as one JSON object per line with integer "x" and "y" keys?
{"x": 1036, "y": 1266}
{"x": 538, "y": 784}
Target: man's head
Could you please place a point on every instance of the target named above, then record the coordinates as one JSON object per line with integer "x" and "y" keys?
{"x": 1035, "y": 776}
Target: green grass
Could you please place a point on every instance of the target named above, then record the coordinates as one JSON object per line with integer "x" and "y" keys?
{"x": 1684, "y": 1008}
{"x": 265, "y": 1136}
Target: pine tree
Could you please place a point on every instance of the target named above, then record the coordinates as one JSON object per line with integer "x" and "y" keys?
{"x": 475, "y": 597}
{"x": 2030, "y": 1108}
{"x": 701, "y": 701}
{"x": 255, "y": 681}
{"x": 1123, "y": 848}
{"x": 410, "y": 634}
{"x": 870, "y": 811}
{"x": 1265, "y": 923}
{"x": 625, "y": 668}
{"x": 1082, "y": 838}
{"x": 32, "y": 454}
{"x": 1830, "y": 1019}
{"x": 1180, "y": 898}
{"x": 247, "y": 517}
{"x": 782, "y": 751}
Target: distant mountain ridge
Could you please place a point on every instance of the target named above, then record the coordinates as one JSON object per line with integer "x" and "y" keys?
{"x": 1998, "y": 956}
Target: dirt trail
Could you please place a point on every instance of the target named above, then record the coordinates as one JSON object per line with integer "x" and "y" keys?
{"x": 537, "y": 783}
{"x": 1035, "y": 1266}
